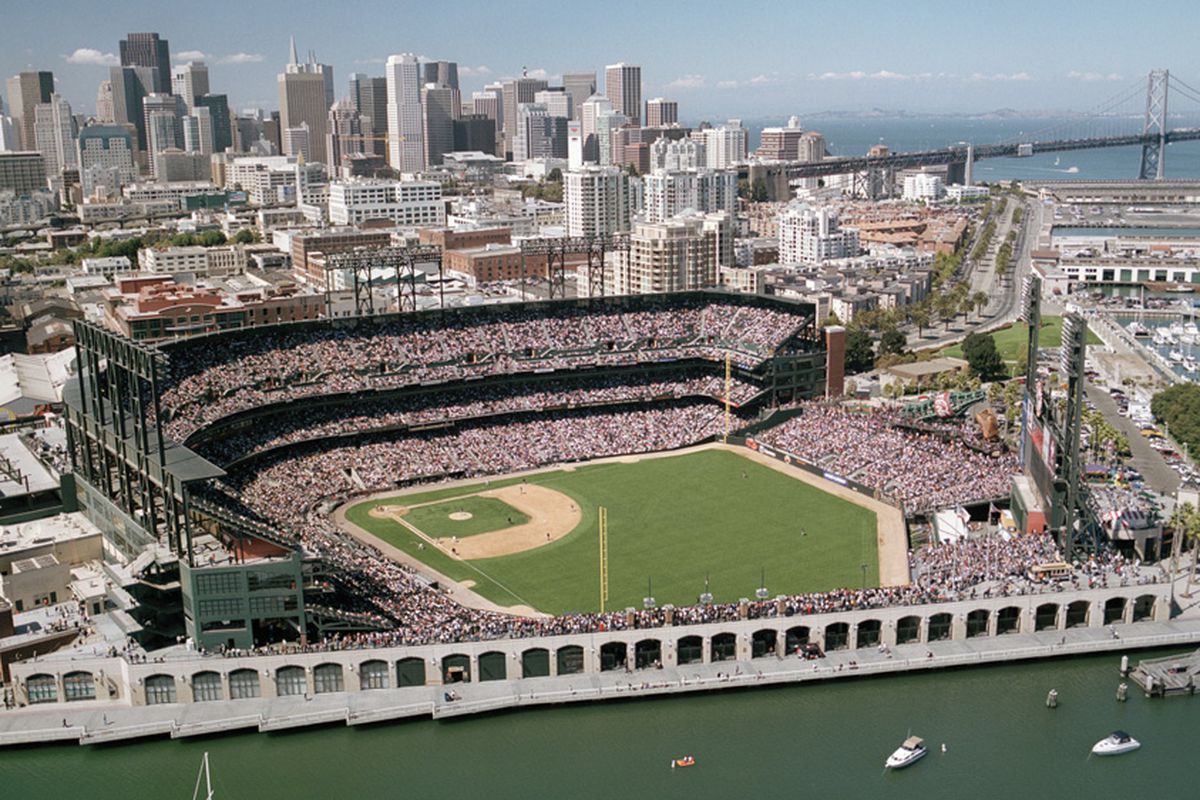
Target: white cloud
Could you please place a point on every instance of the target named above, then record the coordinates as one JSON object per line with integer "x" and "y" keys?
{"x": 856, "y": 75}
{"x": 759, "y": 80}
{"x": 727, "y": 84}
{"x": 242, "y": 58}
{"x": 687, "y": 82}
{"x": 87, "y": 55}
{"x": 537, "y": 74}
{"x": 1093, "y": 76}
{"x": 1000, "y": 76}
{"x": 192, "y": 55}
{"x": 878, "y": 75}
{"x": 480, "y": 70}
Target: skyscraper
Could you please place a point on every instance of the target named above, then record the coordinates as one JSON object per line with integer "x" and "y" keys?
{"x": 311, "y": 67}
{"x": 369, "y": 97}
{"x": 580, "y": 86}
{"x": 54, "y": 136}
{"x": 345, "y": 134}
{"x": 302, "y": 101}
{"x": 147, "y": 50}
{"x": 440, "y": 106}
{"x": 222, "y": 125}
{"x": 198, "y": 131}
{"x": 623, "y": 85}
{"x": 190, "y": 81}
{"x": 661, "y": 112}
{"x": 406, "y": 135}
{"x": 515, "y": 92}
{"x": 104, "y": 102}
{"x": 598, "y": 201}
{"x": 557, "y": 102}
{"x": 106, "y": 158}
{"x": 443, "y": 74}
{"x": 26, "y": 91}
{"x": 129, "y": 86}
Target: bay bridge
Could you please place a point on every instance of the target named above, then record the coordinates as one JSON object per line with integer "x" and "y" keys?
{"x": 1151, "y": 133}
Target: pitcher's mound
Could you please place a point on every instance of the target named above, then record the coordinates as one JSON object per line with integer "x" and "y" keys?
{"x": 460, "y": 516}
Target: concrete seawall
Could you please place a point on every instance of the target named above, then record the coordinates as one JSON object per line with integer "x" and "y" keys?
{"x": 125, "y": 715}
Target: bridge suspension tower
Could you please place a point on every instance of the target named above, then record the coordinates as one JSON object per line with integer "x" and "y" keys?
{"x": 1155, "y": 125}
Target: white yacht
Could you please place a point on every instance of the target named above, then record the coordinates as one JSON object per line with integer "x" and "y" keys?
{"x": 1176, "y": 356}
{"x": 1137, "y": 329}
{"x": 1116, "y": 743}
{"x": 1189, "y": 364}
{"x": 912, "y": 750}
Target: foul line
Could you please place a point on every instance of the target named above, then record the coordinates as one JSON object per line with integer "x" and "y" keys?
{"x": 424, "y": 536}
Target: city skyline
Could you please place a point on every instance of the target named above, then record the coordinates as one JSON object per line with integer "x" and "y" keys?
{"x": 931, "y": 59}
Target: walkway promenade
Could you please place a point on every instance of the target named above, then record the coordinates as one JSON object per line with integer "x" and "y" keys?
{"x": 94, "y": 721}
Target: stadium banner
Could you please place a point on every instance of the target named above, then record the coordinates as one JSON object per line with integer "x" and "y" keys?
{"x": 831, "y": 476}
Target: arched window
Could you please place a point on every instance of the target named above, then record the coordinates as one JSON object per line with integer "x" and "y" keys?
{"x": 243, "y": 684}
{"x": 41, "y": 689}
{"x": 290, "y": 681}
{"x": 374, "y": 674}
{"x": 328, "y": 678}
{"x": 79, "y": 686}
{"x": 206, "y": 687}
{"x": 160, "y": 689}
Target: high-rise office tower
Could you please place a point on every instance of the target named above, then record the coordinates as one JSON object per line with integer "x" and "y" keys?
{"x": 515, "y": 92}
{"x": 369, "y": 97}
{"x": 623, "y": 85}
{"x": 297, "y": 141}
{"x": 190, "y": 81}
{"x": 130, "y": 85}
{"x": 198, "y": 131}
{"x": 487, "y": 103}
{"x": 443, "y": 74}
{"x": 540, "y": 134}
{"x": 557, "y": 102}
{"x": 312, "y": 67}
{"x": 440, "y": 106}
{"x": 406, "y": 135}
{"x": 302, "y": 101}
{"x": 345, "y": 134}
{"x": 608, "y": 125}
{"x": 174, "y": 109}
{"x": 475, "y": 132}
{"x": 147, "y": 50}
{"x": 104, "y": 102}
{"x": 54, "y": 136}
{"x": 661, "y": 112}
{"x": 222, "y": 125}
{"x": 106, "y": 158}
{"x": 10, "y": 134}
{"x": 26, "y": 91}
{"x": 589, "y": 114}
{"x": 580, "y": 86}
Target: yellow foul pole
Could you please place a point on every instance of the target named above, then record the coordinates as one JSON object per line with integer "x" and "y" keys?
{"x": 728, "y": 380}
{"x": 603, "y": 558}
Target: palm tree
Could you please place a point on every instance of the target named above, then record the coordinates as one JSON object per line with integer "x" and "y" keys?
{"x": 981, "y": 301}
{"x": 1186, "y": 523}
{"x": 920, "y": 318}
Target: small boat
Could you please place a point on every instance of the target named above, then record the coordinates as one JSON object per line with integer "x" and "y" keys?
{"x": 686, "y": 761}
{"x": 912, "y": 750}
{"x": 1190, "y": 365}
{"x": 1137, "y": 329}
{"x": 1116, "y": 743}
{"x": 1180, "y": 288}
{"x": 1176, "y": 356}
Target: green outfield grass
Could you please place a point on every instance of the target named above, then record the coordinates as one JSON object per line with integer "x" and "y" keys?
{"x": 487, "y": 514}
{"x": 672, "y": 520}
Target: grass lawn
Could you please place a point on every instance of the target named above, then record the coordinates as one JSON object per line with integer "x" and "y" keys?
{"x": 487, "y": 514}
{"x": 1010, "y": 341}
{"x": 671, "y": 520}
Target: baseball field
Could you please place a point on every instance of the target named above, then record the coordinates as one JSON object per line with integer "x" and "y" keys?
{"x": 532, "y": 543}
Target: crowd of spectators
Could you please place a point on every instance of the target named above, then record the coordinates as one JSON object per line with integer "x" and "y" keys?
{"x": 923, "y": 470}
{"x": 207, "y": 380}
{"x": 291, "y": 425}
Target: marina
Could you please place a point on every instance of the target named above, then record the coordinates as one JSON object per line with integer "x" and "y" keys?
{"x": 1164, "y": 677}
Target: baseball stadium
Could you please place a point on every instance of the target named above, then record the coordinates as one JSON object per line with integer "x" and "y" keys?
{"x": 499, "y": 471}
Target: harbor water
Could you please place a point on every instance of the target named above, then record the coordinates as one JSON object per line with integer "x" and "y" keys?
{"x": 824, "y": 740}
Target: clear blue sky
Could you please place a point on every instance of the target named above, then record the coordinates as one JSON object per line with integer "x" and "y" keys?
{"x": 718, "y": 59}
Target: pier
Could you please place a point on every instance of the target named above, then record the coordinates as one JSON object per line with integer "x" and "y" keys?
{"x": 1163, "y": 677}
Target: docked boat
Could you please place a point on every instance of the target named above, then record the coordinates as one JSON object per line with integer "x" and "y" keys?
{"x": 912, "y": 750}
{"x": 1180, "y": 288}
{"x": 1163, "y": 337}
{"x": 1137, "y": 329}
{"x": 1176, "y": 356}
{"x": 686, "y": 761}
{"x": 1116, "y": 743}
{"x": 1190, "y": 364}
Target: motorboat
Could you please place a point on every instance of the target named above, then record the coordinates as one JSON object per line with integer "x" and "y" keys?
{"x": 1176, "y": 356}
{"x": 686, "y": 761}
{"x": 1163, "y": 337}
{"x": 1189, "y": 364}
{"x": 1137, "y": 329}
{"x": 912, "y": 750}
{"x": 1116, "y": 743}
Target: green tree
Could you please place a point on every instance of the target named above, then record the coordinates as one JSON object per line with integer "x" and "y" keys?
{"x": 1179, "y": 408}
{"x": 759, "y": 191}
{"x": 860, "y": 355}
{"x": 245, "y": 236}
{"x": 980, "y": 301}
{"x": 920, "y": 318}
{"x": 980, "y": 351}
{"x": 892, "y": 342}
{"x": 555, "y": 176}
{"x": 211, "y": 239}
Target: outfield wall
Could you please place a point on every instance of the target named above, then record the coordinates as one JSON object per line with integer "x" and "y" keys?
{"x": 793, "y": 460}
